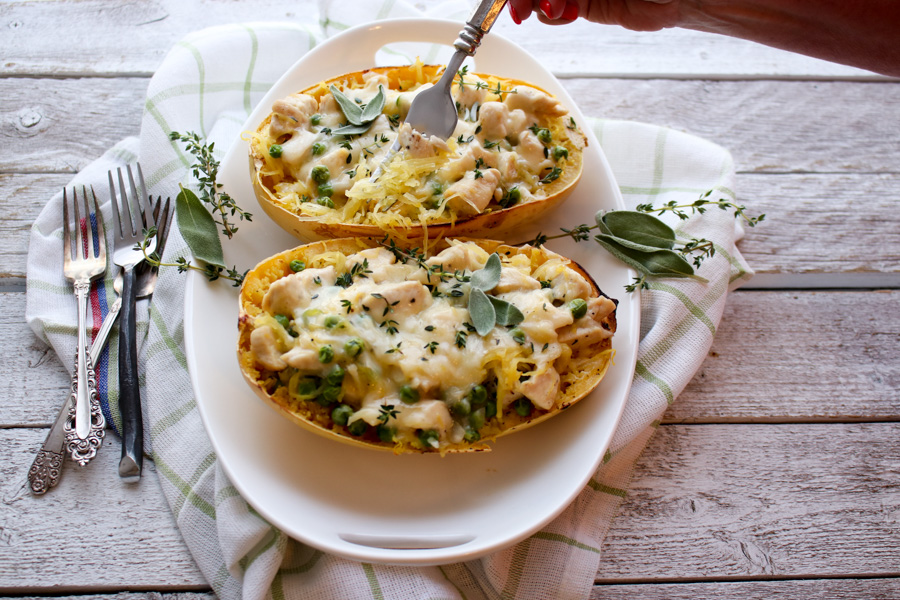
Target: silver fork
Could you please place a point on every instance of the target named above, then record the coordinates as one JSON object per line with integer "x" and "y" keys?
{"x": 433, "y": 111}
{"x": 131, "y": 216}
{"x": 46, "y": 469}
{"x": 81, "y": 265}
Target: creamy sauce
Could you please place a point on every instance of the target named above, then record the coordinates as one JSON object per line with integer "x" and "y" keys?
{"x": 399, "y": 334}
{"x": 508, "y": 145}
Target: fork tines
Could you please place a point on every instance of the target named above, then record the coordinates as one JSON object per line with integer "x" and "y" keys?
{"x": 135, "y": 206}
{"x": 84, "y": 243}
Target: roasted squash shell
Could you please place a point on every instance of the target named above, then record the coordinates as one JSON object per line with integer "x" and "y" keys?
{"x": 583, "y": 367}
{"x": 533, "y": 177}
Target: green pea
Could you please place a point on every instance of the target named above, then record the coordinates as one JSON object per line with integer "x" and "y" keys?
{"x": 544, "y": 135}
{"x": 471, "y": 435}
{"x": 341, "y": 414}
{"x": 478, "y": 396}
{"x": 578, "y": 307}
{"x": 358, "y": 427}
{"x": 320, "y": 174}
{"x": 477, "y": 419}
{"x": 490, "y": 411}
{"x": 353, "y": 346}
{"x": 409, "y": 394}
{"x": 285, "y": 322}
{"x": 326, "y": 354}
{"x": 325, "y": 201}
{"x": 315, "y": 119}
{"x": 330, "y": 394}
{"x": 560, "y": 152}
{"x": 297, "y": 266}
{"x": 308, "y": 387}
{"x": 429, "y": 438}
{"x": 518, "y": 335}
{"x": 385, "y": 433}
{"x": 325, "y": 189}
{"x": 461, "y": 408}
{"x": 336, "y": 376}
{"x": 318, "y": 149}
{"x": 275, "y": 150}
{"x": 332, "y": 321}
{"x": 523, "y": 407}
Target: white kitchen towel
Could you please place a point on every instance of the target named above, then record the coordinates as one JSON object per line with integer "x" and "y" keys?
{"x": 207, "y": 84}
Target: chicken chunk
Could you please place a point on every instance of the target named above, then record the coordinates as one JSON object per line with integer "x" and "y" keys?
{"x": 264, "y": 346}
{"x": 291, "y": 294}
{"x": 531, "y": 150}
{"x": 493, "y": 120}
{"x": 534, "y": 101}
{"x": 426, "y": 414}
{"x": 291, "y": 113}
{"x": 417, "y": 145}
{"x": 514, "y": 280}
{"x": 541, "y": 388}
{"x": 398, "y": 299}
{"x": 459, "y": 258}
{"x": 471, "y": 195}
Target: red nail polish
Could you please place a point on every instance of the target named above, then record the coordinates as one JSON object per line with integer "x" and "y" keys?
{"x": 514, "y": 15}
{"x": 546, "y": 8}
{"x": 571, "y": 12}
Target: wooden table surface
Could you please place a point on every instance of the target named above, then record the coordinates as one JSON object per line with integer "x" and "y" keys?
{"x": 778, "y": 477}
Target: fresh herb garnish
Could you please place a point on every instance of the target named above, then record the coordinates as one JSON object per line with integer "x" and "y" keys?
{"x": 205, "y": 171}
{"x": 359, "y": 116}
{"x": 487, "y": 311}
{"x": 647, "y": 244}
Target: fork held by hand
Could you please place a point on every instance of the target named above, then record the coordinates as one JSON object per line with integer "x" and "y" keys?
{"x": 131, "y": 216}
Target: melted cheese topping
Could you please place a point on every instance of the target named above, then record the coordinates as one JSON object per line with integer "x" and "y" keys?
{"x": 389, "y": 337}
{"x": 508, "y": 144}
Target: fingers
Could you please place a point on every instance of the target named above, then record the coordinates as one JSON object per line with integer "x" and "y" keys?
{"x": 553, "y": 12}
{"x": 552, "y": 9}
{"x": 520, "y": 10}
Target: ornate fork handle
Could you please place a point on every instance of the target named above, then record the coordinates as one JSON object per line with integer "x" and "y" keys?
{"x": 46, "y": 469}
{"x": 478, "y": 25}
{"x": 83, "y": 449}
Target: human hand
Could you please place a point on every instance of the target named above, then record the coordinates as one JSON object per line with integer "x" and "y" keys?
{"x": 638, "y": 15}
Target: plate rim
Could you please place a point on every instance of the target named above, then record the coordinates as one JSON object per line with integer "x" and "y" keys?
{"x": 383, "y": 555}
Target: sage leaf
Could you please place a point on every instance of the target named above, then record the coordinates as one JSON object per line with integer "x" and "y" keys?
{"x": 351, "y": 109}
{"x": 481, "y": 311}
{"x": 637, "y": 227}
{"x": 351, "y": 129}
{"x": 198, "y": 228}
{"x": 507, "y": 314}
{"x": 487, "y": 278}
{"x": 660, "y": 263}
{"x": 374, "y": 107}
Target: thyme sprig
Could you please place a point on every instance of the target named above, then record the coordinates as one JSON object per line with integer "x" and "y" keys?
{"x": 699, "y": 206}
{"x": 481, "y": 85}
{"x": 644, "y": 242}
{"x": 205, "y": 171}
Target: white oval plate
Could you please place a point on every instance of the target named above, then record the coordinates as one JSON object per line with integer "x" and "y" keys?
{"x": 374, "y": 506}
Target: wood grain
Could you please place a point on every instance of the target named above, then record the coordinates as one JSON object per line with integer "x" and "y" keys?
{"x": 750, "y": 501}
{"x": 707, "y": 503}
{"x": 53, "y": 125}
{"x": 788, "y": 356}
{"x": 125, "y": 39}
{"x": 91, "y": 532}
{"x": 816, "y": 589}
